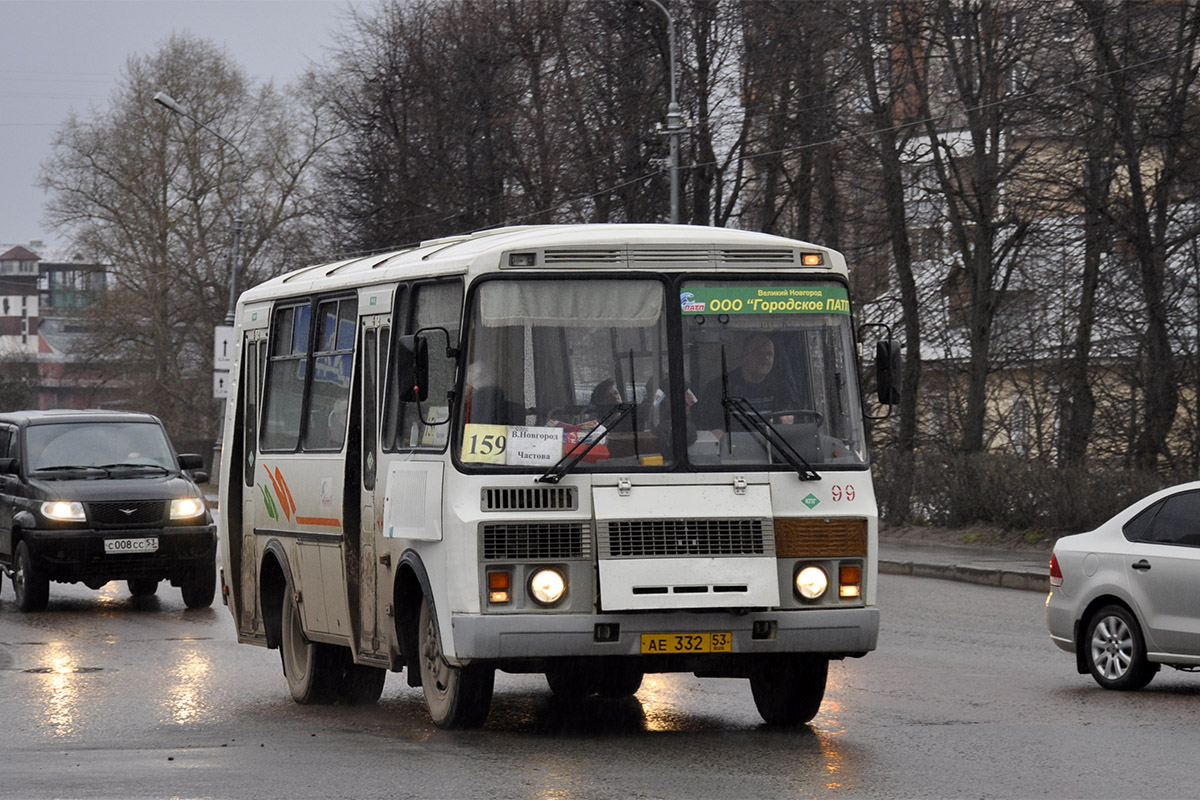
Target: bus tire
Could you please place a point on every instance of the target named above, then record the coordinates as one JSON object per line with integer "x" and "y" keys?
{"x": 457, "y": 697}
{"x": 312, "y": 669}
{"x": 30, "y": 584}
{"x": 788, "y": 689}
{"x": 618, "y": 680}
{"x": 362, "y": 685}
{"x": 567, "y": 679}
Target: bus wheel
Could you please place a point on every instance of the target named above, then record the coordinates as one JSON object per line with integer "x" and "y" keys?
{"x": 457, "y": 697}
{"x": 362, "y": 685}
{"x": 31, "y": 586}
{"x": 568, "y": 680}
{"x": 788, "y": 690}
{"x": 618, "y": 681}
{"x": 312, "y": 669}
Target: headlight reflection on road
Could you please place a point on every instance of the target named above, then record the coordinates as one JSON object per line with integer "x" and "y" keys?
{"x": 61, "y": 691}
{"x": 831, "y": 730}
{"x": 192, "y": 674}
{"x": 659, "y": 699}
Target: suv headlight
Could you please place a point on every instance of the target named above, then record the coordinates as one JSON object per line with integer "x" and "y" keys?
{"x": 63, "y": 511}
{"x": 187, "y": 507}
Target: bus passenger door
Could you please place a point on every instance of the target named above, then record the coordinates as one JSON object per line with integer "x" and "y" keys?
{"x": 374, "y": 338}
{"x": 244, "y": 575}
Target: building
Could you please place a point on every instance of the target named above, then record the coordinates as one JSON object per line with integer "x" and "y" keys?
{"x": 42, "y": 332}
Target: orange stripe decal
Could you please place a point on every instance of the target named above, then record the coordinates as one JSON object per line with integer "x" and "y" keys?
{"x": 328, "y": 522}
{"x": 287, "y": 491}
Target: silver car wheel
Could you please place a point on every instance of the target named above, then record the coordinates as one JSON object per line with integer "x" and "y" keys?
{"x": 1112, "y": 647}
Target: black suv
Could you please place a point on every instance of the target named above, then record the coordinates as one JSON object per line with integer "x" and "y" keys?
{"x": 97, "y": 496}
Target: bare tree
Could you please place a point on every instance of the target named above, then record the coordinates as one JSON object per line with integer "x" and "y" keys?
{"x": 153, "y": 198}
{"x": 1147, "y": 54}
{"x": 966, "y": 52}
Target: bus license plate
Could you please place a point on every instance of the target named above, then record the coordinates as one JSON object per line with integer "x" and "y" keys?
{"x": 687, "y": 643}
{"x": 141, "y": 544}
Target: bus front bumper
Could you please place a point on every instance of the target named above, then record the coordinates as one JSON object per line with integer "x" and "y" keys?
{"x": 835, "y": 632}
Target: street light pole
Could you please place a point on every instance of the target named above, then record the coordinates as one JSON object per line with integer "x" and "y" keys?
{"x": 166, "y": 101}
{"x": 674, "y": 116}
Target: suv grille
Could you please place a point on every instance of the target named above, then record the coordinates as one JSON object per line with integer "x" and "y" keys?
{"x": 512, "y": 541}
{"x": 135, "y": 512}
{"x": 682, "y": 537}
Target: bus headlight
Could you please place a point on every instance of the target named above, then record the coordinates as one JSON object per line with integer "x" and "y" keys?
{"x": 63, "y": 511}
{"x": 811, "y": 582}
{"x": 547, "y": 586}
{"x": 186, "y": 507}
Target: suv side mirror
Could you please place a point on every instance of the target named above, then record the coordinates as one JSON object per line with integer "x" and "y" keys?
{"x": 8, "y": 466}
{"x": 190, "y": 461}
{"x": 194, "y": 464}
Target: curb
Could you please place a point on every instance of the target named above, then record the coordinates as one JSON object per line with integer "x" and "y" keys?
{"x": 1026, "y": 580}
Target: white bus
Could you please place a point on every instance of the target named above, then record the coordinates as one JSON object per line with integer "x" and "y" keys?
{"x": 586, "y": 451}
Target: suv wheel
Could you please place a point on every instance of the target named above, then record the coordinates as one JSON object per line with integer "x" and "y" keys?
{"x": 199, "y": 586}
{"x": 30, "y": 585}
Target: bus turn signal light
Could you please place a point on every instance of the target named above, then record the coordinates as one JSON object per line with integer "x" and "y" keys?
{"x": 849, "y": 580}
{"x": 498, "y": 587}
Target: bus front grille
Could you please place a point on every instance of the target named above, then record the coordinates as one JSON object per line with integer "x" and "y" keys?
{"x": 524, "y": 541}
{"x": 529, "y": 498}
{"x": 667, "y": 538}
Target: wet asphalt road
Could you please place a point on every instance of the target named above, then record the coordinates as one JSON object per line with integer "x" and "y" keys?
{"x": 102, "y": 696}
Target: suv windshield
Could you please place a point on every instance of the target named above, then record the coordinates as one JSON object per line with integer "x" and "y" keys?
{"x": 548, "y": 360}
{"x": 97, "y": 444}
{"x": 779, "y": 352}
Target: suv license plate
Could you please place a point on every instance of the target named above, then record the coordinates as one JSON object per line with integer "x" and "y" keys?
{"x": 687, "y": 642}
{"x": 142, "y": 544}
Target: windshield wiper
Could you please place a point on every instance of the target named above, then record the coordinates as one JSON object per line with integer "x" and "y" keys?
{"x": 66, "y": 467}
{"x": 584, "y": 446}
{"x": 131, "y": 465}
{"x": 745, "y": 413}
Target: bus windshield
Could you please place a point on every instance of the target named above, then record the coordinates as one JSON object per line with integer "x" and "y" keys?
{"x": 782, "y": 352}
{"x": 550, "y": 361}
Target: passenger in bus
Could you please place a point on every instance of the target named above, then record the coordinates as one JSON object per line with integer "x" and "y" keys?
{"x": 755, "y": 380}
{"x": 604, "y": 397}
{"x": 484, "y": 402}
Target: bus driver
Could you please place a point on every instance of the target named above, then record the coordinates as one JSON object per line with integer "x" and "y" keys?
{"x": 755, "y": 381}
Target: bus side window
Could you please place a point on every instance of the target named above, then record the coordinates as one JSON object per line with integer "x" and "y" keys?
{"x": 390, "y": 390}
{"x": 436, "y": 305}
{"x": 252, "y": 373}
{"x": 370, "y": 397}
{"x": 285, "y": 378}
{"x": 329, "y": 393}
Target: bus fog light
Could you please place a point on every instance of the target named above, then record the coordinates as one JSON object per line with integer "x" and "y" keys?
{"x": 547, "y": 586}
{"x": 811, "y": 582}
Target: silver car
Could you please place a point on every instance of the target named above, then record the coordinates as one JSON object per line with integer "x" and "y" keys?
{"x": 1125, "y": 598}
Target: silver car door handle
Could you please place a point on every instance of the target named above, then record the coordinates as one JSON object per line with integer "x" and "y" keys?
{"x": 1141, "y": 566}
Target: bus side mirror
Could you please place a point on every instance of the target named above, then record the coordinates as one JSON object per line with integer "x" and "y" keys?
{"x": 887, "y": 371}
{"x": 415, "y": 351}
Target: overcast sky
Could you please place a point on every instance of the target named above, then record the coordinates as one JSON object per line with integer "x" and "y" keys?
{"x": 56, "y": 55}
